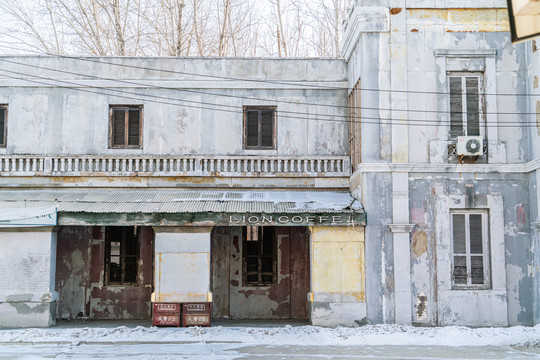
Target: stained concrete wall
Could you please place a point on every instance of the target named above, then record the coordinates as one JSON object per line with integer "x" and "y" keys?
{"x": 27, "y": 272}
{"x": 191, "y": 105}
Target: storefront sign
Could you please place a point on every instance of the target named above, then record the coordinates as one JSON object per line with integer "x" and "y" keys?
{"x": 326, "y": 220}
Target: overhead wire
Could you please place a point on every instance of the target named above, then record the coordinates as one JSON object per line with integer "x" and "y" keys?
{"x": 159, "y": 99}
{"x": 262, "y": 99}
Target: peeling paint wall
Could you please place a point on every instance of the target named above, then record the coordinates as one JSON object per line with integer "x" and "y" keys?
{"x": 284, "y": 300}
{"x": 80, "y": 277}
{"x": 27, "y": 271}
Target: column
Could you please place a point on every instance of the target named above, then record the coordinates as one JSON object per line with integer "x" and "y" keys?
{"x": 27, "y": 277}
{"x": 402, "y": 273}
{"x": 182, "y": 264}
{"x": 402, "y": 249}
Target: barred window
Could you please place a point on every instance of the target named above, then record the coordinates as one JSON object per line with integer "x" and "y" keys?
{"x": 259, "y": 256}
{"x": 471, "y": 267}
{"x": 121, "y": 255}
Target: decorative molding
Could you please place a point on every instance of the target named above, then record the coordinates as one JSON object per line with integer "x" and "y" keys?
{"x": 465, "y": 53}
{"x": 535, "y": 225}
{"x": 363, "y": 19}
{"x": 401, "y": 228}
{"x": 449, "y": 168}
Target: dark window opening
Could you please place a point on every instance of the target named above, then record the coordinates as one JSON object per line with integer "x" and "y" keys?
{"x": 3, "y": 125}
{"x": 126, "y": 127}
{"x": 122, "y": 255}
{"x": 259, "y": 128}
{"x": 259, "y": 255}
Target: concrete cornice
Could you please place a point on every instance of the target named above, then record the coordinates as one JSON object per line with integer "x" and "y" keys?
{"x": 449, "y": 168}
{"x": 466, "y": 52}
{"x": 361, "y": 20}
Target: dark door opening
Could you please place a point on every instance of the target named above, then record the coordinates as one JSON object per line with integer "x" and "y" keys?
{"x": 260, "y": 272}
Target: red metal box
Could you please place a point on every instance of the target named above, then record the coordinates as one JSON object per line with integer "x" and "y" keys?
{"x": 196, "y": 314}
{"x": 166, "y": 314}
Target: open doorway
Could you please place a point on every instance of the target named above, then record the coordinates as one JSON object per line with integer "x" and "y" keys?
{"x": 260, "y": 272}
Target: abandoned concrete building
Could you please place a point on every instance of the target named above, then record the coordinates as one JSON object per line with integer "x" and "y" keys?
{"x": 395, "y": 185}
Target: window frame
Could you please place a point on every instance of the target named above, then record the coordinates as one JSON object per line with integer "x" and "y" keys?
{"x": 3, "y": 139}
{"x": 260, "y": 109}
{"x": 464, "y": 105}
{"x": 126, "y": 108}
{"x": 108, "y": 240}
{"x": 486, "y": 251}
{"x": 259, "y": 256}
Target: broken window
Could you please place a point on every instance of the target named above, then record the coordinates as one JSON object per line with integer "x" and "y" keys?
{"x": 259, "y": 128}
{"x": 126, "y": 127}
{"x": 3, "y": 125}
{"x": 121, "y": 255}
{"x": 466, "y": 104}
{"x": 259, "y": 255}
{"x": 470, "y": 250}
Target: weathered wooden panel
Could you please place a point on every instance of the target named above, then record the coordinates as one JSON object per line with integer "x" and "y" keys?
{"x": 300, "y": 280}
{"x": 220, "y": 272}
{"x": 73, "y": 271}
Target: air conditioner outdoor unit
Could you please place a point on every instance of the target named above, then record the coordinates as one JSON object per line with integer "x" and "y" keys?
{"x": 470, "y": 145}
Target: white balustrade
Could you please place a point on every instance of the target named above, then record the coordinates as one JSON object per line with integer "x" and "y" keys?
{"x": 89, "y": 165}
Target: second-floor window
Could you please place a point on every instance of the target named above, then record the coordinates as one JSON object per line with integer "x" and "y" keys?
{"x": 466, "y": 104}
{"x": 126, "y": 127}
{"x": 259, "y": 128}
{"x": 3, "y": 125}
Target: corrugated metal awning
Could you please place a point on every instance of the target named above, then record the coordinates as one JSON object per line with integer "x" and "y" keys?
{"x": 124, "y": 201}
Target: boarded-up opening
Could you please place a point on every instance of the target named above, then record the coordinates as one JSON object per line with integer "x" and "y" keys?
{"x": 260, "y": 272}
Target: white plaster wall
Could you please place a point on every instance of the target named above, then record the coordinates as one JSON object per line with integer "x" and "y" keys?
{"x": 27, "y": 277}
{"x": 182, "y": 264}
{"x": 196, "y": 107}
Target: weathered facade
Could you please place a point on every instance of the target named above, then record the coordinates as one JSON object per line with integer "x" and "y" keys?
{"x": 177, "y": 180}
{"x": 451, "y": 229}
{"x": 247, "y": 182}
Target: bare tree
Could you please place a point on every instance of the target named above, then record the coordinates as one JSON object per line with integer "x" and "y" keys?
{"x": 286, "y": 28}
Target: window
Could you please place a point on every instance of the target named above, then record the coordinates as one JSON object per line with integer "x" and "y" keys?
{"x": 126, "y": 127}
{"x": 259, "y": 255}
{"x": 355, "y": 134}
{"x": 466, "y": 104}
{"x": 121, "y": 255}
{"x": 259, "y": 128}
{"x": 3, "y": 125}
{"x": 470, "y": 250}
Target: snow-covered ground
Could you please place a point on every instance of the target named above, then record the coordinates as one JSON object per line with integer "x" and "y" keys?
{"x": 286, "y": 335}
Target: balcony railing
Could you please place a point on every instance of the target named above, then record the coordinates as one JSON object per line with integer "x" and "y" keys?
{"x": 90, "y": 165}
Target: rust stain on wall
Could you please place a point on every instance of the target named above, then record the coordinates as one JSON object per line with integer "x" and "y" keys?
{"x": 419, "y": 243}
{"x": 395, "y": 11}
